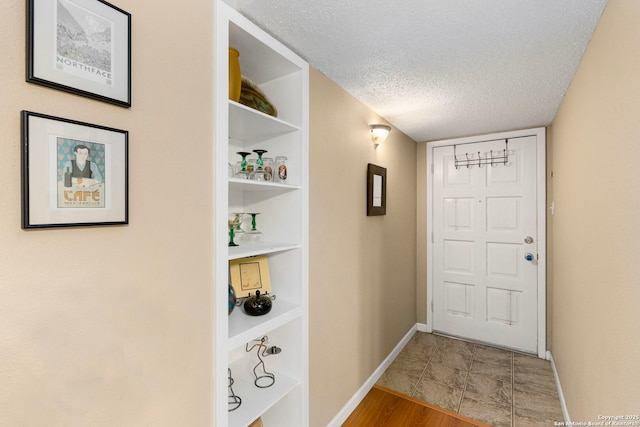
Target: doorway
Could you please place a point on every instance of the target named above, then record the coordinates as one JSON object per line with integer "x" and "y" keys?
{"x": 486, "y": 239}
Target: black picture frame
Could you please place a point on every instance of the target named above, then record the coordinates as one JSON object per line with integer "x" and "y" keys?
{"x": 80, "y": 46}
{"x": 376, "y": 190}
{"x": 73, "y": 173}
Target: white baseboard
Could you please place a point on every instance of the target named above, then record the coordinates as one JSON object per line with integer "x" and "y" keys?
{"x": 563, "y": 404}
{"x": 344, "y": 413}
{"x": 423, "y": 327}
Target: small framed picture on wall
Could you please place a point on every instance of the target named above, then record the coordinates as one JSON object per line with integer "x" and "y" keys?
{"x": 73, "y": 173}
{"x": 80, "y": 46}
{"x": 376, "y": 190}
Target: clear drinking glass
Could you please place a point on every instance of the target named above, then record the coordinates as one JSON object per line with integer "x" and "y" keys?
{"x": 281, "y": 169}
{"x": 268, "y": 168}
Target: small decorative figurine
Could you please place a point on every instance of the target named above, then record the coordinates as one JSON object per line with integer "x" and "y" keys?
{"x": 257, "y": 305}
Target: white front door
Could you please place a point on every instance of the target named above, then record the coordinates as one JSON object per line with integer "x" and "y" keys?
{"x": 485, "y": 244}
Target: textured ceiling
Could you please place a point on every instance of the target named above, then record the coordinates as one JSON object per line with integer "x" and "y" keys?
{"x": 440, "y": 68}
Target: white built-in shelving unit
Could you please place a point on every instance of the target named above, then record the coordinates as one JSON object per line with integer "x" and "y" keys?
{"x": 283, "y": 220}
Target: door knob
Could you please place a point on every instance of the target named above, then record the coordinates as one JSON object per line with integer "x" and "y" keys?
{"x": 528, "y": 256}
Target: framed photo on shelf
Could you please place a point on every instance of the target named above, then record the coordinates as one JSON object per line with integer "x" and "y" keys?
{"x": 376, "y": 190}
{"x": 249, "y": 275}
{"x": 80, "y": 46}
{"x": 73, "y": 173}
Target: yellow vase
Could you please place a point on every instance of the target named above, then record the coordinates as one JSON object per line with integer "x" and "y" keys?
{"x": 235, "y": 77}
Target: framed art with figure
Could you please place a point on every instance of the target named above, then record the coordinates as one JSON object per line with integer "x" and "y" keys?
{"x": 73, "y": 173}
{"x": 80, "y": 46}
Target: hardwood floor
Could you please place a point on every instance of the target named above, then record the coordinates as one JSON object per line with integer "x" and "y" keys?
{"x": 384, "y": 407}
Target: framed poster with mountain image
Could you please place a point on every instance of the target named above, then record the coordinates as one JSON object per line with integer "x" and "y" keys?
{"x": 80, "y": 46}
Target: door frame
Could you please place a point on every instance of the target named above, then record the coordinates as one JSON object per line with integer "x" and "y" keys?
{"x": 541, "y": 193}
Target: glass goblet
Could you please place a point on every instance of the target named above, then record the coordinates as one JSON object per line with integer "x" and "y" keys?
{"x": 233, "y": 223}
{"x": 254, "y": 229}
{"x": 260, "y": 174}
{"x": 242, "y": 173}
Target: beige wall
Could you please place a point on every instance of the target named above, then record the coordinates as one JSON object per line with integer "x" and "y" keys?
{"x": 111, "y": 326}
{"x": 421, "y": 233}
{"x": 550, "y": 258}
{"x": 596, "y": 244}
{"x": 362, "y": 268}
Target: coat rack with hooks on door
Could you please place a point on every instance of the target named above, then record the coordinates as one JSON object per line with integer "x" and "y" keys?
{"x": 492, "y": 160}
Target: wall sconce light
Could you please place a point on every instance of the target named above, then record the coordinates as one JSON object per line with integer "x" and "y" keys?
{"x": 379, "y": 134}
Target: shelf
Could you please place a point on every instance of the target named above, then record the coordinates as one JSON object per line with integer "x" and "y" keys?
{"x": 263, "y": 59}
{"x": 249, "y": 185}
{"x": 262, "y": 126}
{"x": 256, "y": 401}
{"x": 260, "y": 248}
{"x": 284, "y": 79}
{"x": 243, "y": 328}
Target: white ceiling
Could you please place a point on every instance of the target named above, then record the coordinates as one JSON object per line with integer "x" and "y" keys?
{"x": 440, "y": 68}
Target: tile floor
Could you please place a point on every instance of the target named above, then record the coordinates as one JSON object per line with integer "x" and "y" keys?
{"x": 498, "y": 387}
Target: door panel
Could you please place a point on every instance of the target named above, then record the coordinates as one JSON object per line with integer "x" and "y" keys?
{"x": 504, "y": 213}
{"x": 459, "y": 299}
{"x": 458, "y": 213}
{"x": 503, "y": 260}
{"x": 503, "y": 306}
{"x": 484, "y": 288}
{"x": 458, "y": 257}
